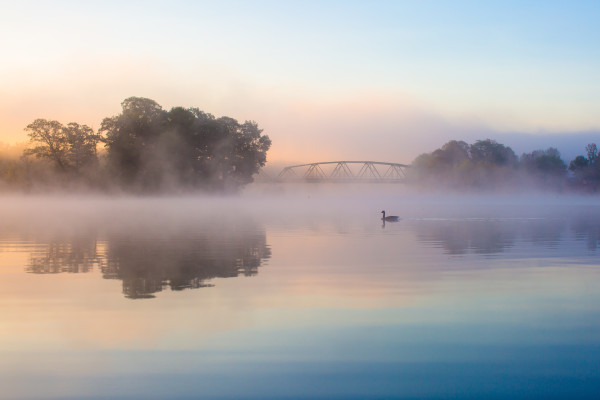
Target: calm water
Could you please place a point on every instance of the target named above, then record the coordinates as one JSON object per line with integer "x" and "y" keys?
{"x": 300, "y": 296}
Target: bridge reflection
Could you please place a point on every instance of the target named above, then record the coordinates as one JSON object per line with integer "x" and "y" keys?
{"x": 345, "y": 171}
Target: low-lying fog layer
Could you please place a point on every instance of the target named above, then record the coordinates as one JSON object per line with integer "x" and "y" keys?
{"x": 274, "y": 205}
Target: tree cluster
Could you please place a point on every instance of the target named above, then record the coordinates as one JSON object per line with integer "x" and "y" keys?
{"x": 488, "y": 164}
{"x": 146, "y": 149}
{"x": 459, "y": 164}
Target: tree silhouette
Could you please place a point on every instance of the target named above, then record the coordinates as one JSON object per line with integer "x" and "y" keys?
{"x": 492, "y": 153}
{"x": 82, "y": 145}
{"x": 592, "y": 153}
{"x": 48, "y": 141}
{"x": 69, "y": 148}
{"x": 152, "y": 149}
{"x": 483, "y": 164}
{"x": 128, "y": 137}
{"x": 545, "y": 166}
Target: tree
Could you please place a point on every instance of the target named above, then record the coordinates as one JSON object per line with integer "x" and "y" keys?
{"x": 453, "y": 153}
{"x": 129, "y": 135}
{"x": 150, "y": 148}
{"x": 545, "y": 166}
{"x": 69, "y": 148}
{"x": 579, "y": 163}
{"x": 485, "y": 163}
{"x": 250, "y": 150}
{"x": 48, "y": 141}
{"x": 491, "y": 152}
{"x": 82, "y": 145}
{"x": 592, "y": 153}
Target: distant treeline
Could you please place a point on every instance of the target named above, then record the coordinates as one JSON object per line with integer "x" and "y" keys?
{"x": 143, "y": 149}
{"x": 488, "y": 164}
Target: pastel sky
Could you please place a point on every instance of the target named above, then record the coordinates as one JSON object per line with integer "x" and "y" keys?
{"x": 381, "y": 80}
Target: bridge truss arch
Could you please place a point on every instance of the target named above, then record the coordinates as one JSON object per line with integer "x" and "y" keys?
{"x": 345, "y": 172}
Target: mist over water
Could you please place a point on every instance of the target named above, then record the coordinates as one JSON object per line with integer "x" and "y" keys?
{"x": 300, "y": 291}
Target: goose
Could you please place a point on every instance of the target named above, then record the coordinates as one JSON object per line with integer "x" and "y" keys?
{"x": 389, "y": 218}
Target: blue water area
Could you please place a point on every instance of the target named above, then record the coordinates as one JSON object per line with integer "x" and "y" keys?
{"x": 458, "y": 307}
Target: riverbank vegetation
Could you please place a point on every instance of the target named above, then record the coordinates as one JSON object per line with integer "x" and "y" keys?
{"x": 487, "y": 164}
{"x": 144, "y": 149}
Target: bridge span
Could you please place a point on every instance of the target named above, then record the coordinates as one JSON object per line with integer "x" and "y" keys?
{"x": 345, "y": 172}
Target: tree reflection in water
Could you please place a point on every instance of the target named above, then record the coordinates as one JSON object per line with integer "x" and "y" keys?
{"x": 465, "y": 236}
{"x": 182, "y": 262}
{"x": 588, "y": 228}
{"x": 149, "y": 262}
{"x": 150, "y": 259}
{"x": 494, "y": 236}
{"x": 71, "y": 255}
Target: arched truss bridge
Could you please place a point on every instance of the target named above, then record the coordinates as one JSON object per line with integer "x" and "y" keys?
{"x": 345, "y": 171}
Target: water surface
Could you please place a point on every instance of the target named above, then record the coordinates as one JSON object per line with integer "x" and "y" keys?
{"x": 303, "y": 296}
